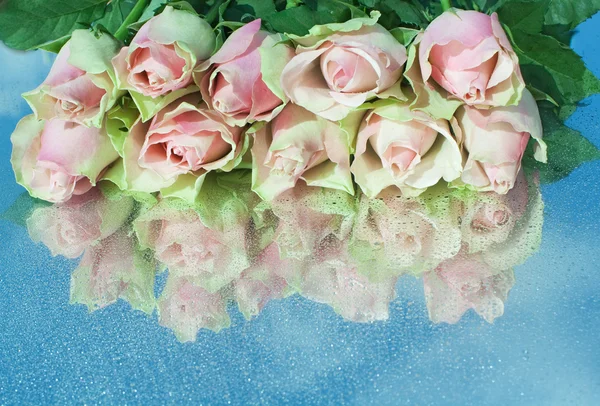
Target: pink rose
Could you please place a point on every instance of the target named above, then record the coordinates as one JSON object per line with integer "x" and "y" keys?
{"x": 489, "y": 218}
{"x": 332, "y": 278}
{"x": 186, "y": 308}
{"x": 402, "y": 148}
{"x": 233, "y": 80}
{"x": 340, "y": 66}
{"x": 185, "y": 138}
{"x": 57, "y": 159}
{"x": 80, "y": 86}
{"x": 394, "y": 234}
{"x": 473, "y": 59}
{"x": 300, "y": 145}
{"x": 495, "y": 141}
{"x": 466, "y": 282}
{"x": 114, "y": 269}
{"x": 163, "y": 53}
{"x": 261, "y": 283}
{"x": 210, "y": 258}
{"x": 69, "y": 228}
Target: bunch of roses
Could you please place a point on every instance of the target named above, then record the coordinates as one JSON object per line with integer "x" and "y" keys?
{"x": 345, "y": 101}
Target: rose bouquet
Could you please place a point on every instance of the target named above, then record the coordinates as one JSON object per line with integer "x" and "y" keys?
{"x": 372, "y": 97}
{"x": 259, "y": 149}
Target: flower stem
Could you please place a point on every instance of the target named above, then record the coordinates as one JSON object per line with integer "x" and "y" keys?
{"x": 135, "y": 15}
{"x": 213, "y": 12}
{"x": 446, "y": 5}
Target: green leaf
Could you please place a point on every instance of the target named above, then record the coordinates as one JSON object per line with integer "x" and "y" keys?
{"x": 405, "y": 36}
{"x": 152, "y": 9}
{"x": 115, "y": 14}
{"x": 524, "y": 16}
{"x": 300, "y": 19}
{"x": 22, "y": 208}
{"x": 567, "y": 149}
{"x": 29, "y": 24}
{"x": 572, "y": 79}
{"x": 407, "y": 12}
{"x": 261, "y": 8}
{"x": 571, "y": 12}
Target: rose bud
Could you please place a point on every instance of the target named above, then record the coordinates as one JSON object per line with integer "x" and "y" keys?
{"x": 495, "y": 140}
{"x": 236, "y": 82}
{"x": 473, "y": 60}
{"x": 186, "y": 308}
{"x": 466, "y": 282}
{"x": 69, "y": 228}
{"x": 57, "y": 159}
{"x": 340, "y": 66}
{"x": 184, "y": 138}
{"x": 211, "y": 258}
{"x": 80, "y": 86}
{"x": 114, "y": 268}
{"x": 300, "y": 145}
{"x": 163, "y": 54}
{"x": 403, "y": 148}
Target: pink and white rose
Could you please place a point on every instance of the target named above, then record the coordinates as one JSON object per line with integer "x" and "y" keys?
{"x": 162, "y": 55}
{"x": 298, "y": 144}
{"x": 495, "y": 141}
{"x": 338, "y": 67}
{"x": 407, "y": 149}
{"x": 183, "y": 142}
{"x": 57, "y": 159}
{"x": 81, "y": 84}
{"x": 469, "y": 55}
{"x": 241, "y": 81}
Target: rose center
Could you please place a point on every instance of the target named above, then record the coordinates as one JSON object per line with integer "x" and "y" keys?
{"x": 346, "y": 71}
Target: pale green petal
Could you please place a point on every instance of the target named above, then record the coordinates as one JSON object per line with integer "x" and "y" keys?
{"x": 319, "y": 32}
{"x": 185, "y": 28}
{"x": 274, "y": 56}
{"x": 25, "y": 133}
{"x": 92, "y": 52}
{"x": 119, "y": 121}
{"x": 149, "y": 106}
{"x": 369, "y": 173}
{"x": 329, "y": 175}
{"x": 186, "y": 187}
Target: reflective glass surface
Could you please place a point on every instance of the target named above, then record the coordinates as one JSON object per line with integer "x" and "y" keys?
{"x": 527, "y": 336}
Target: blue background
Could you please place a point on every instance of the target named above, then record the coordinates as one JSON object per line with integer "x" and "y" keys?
{"x": 544, "y": 350}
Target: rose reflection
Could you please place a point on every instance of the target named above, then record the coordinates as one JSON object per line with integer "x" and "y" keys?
{"x": 324, "y": 245}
